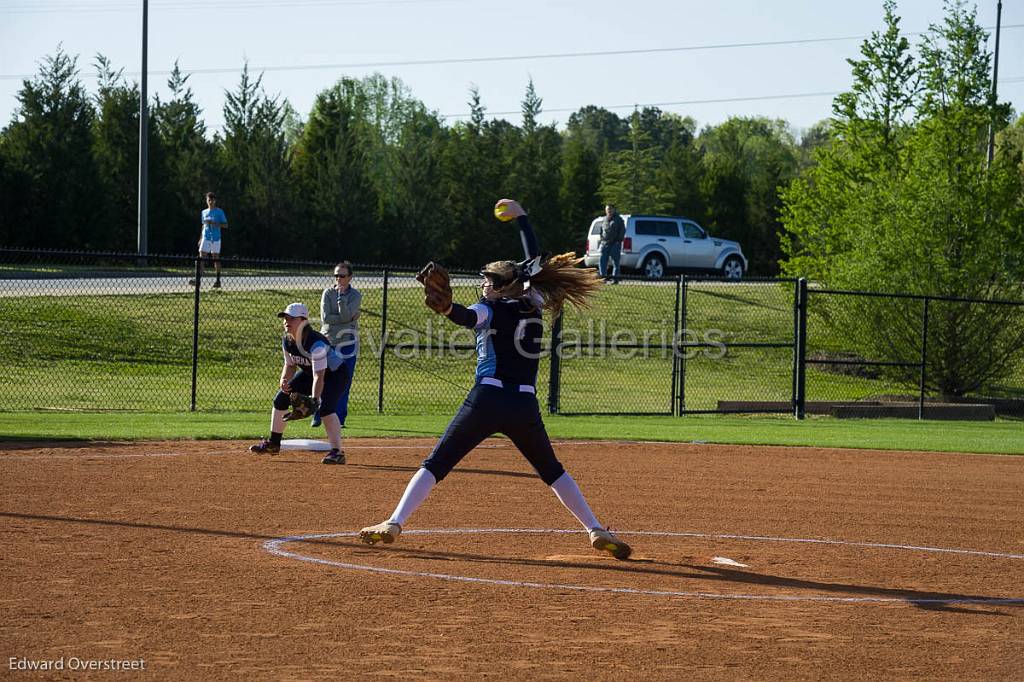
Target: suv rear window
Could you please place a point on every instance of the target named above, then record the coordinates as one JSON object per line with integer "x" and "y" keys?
{"x": 657, "y": 228}
{"x": 596, "y": 229}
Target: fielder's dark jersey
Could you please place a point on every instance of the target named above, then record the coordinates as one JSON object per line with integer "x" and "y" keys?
{"x": 508, "y": 337}
{"x": 314, "y": 355}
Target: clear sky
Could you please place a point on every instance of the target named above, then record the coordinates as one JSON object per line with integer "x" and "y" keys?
{"x": 578, "y": 52}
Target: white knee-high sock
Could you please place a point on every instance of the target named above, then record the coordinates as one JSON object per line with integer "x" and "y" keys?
{"x": 333, "y": 428}
{"x": 570, "y": 495}
{"x": 419, "y": 487}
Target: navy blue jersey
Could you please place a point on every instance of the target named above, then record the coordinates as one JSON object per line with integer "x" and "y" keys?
{"x": 315, "y": 353}
{"x": 508, "y": 338}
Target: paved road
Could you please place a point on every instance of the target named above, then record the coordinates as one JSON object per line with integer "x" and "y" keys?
{"x": 119, "y": 286}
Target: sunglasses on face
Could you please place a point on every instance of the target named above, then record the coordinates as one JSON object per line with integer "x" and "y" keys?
{"x": 337, "y": 276}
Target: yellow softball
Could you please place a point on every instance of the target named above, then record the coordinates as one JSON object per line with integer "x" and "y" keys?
{"x": 502, "y": 214}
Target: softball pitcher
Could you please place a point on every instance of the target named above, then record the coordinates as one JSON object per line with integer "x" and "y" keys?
{"x": 508, "y": 325}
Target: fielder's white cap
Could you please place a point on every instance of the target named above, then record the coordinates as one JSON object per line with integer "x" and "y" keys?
{"x": 295, "y": 310}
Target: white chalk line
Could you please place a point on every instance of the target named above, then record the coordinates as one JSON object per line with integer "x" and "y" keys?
{"x": 275, "y": 547}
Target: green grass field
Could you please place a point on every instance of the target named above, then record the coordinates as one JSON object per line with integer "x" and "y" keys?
{"x": 1002, "y": 437}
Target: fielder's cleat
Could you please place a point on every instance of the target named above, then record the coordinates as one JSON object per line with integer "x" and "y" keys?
{"x": 316, "y": 420}
{"x": 335, "y": 456}
{"x": 265, "y": 447}
{"x": 383, "y": 532}
{"x": 604, "y": 541}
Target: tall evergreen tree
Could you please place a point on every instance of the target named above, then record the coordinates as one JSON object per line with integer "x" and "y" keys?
{"x": 534, "y": 176}
{"x": 473, "y": 168}
{"x": 187, "y": 171}
{"x": 629, "y": 178}
{"x": 116, "y": 153}
{"x": 256, "y": 185}
{"x": 335, "y": 169}
{"x": 48, "y": 149}
{"x": 578, "y": 194}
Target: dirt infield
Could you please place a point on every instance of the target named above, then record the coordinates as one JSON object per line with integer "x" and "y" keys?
{"x": 182, "y": 555}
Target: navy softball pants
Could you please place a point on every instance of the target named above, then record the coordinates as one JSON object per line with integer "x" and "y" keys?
{"x": 488, "y": 410}
{"x": 302, "y": 382}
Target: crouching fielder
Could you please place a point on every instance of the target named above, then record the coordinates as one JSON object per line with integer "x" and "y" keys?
{"x": 508, "y": 325}
{"x": 311, "y": 380}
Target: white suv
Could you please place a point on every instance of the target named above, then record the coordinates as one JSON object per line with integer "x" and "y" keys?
{"x": 655, "y": 244}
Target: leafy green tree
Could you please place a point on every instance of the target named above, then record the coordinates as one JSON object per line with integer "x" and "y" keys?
{"x": 816, "y": 137}
{"x": 47, "y": 149}
{"x": 745, "y": 162}
{"x": 682, "y": 170}
{"x": 912, "y": 207}
{"x": 335, "y": 166}
{"x": 414, "y": 219}
{"x": 823, "y": 212}
{"x": 404, "y": 143}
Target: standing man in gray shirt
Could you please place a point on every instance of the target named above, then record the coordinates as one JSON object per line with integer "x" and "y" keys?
{"x": 339, "y": 313}
{"x": 613, "y": 231}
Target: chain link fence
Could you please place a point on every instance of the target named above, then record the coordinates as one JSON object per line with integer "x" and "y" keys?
{"x": 907, "y": 355}
{"x": 88, "y": 331}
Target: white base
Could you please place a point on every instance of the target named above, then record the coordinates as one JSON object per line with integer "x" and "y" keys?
{"x": 305, "y": 444}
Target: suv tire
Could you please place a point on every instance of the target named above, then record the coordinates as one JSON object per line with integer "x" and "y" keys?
{"x": 653, "y": 267}
{"x": 732, "y": 268}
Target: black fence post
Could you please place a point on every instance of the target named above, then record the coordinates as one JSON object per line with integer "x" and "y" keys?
{"x": 679, "y": 348}
{"x": 195, "y": 333}
{"x": 383, "y": 343}
{"x": 924, "y": 358}
{"x": 800, "y": 395}
{"x": 675, "y": 354}
{"x": 555, "y": 375}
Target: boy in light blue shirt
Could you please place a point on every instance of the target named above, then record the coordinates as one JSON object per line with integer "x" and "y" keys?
{"x": 214, "y": 221}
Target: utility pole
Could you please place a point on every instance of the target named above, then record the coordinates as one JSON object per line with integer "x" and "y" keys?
{"x": 995, "y": 81}
{"x": 144, "y": 136}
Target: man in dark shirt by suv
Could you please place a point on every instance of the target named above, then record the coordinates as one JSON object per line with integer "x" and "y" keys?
{"x": 613, "y": 231}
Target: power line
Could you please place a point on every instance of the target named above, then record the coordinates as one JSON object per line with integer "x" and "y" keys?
{"x": 691, "y": 102}
{"x": 197, "y": 4}
{"x": 501, "y": 58}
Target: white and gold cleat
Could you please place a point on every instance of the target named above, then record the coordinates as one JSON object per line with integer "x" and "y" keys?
{"x": 605, "y": 541}
{"x": 386, "y": 532}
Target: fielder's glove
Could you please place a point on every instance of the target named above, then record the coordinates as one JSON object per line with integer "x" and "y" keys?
{"x": 437, "y": 288}
{"x": 302, "y": 406}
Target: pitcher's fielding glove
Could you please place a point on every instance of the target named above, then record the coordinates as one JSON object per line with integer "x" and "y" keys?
{"x": 302, "y": 406}
{"x": 437, "y": 288}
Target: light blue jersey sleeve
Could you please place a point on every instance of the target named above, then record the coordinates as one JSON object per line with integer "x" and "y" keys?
{"x": 318, "y": 355}
{"x": 483, "y": 314}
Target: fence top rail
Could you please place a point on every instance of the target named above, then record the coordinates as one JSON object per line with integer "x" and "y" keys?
{"x": 918, "y": 297}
